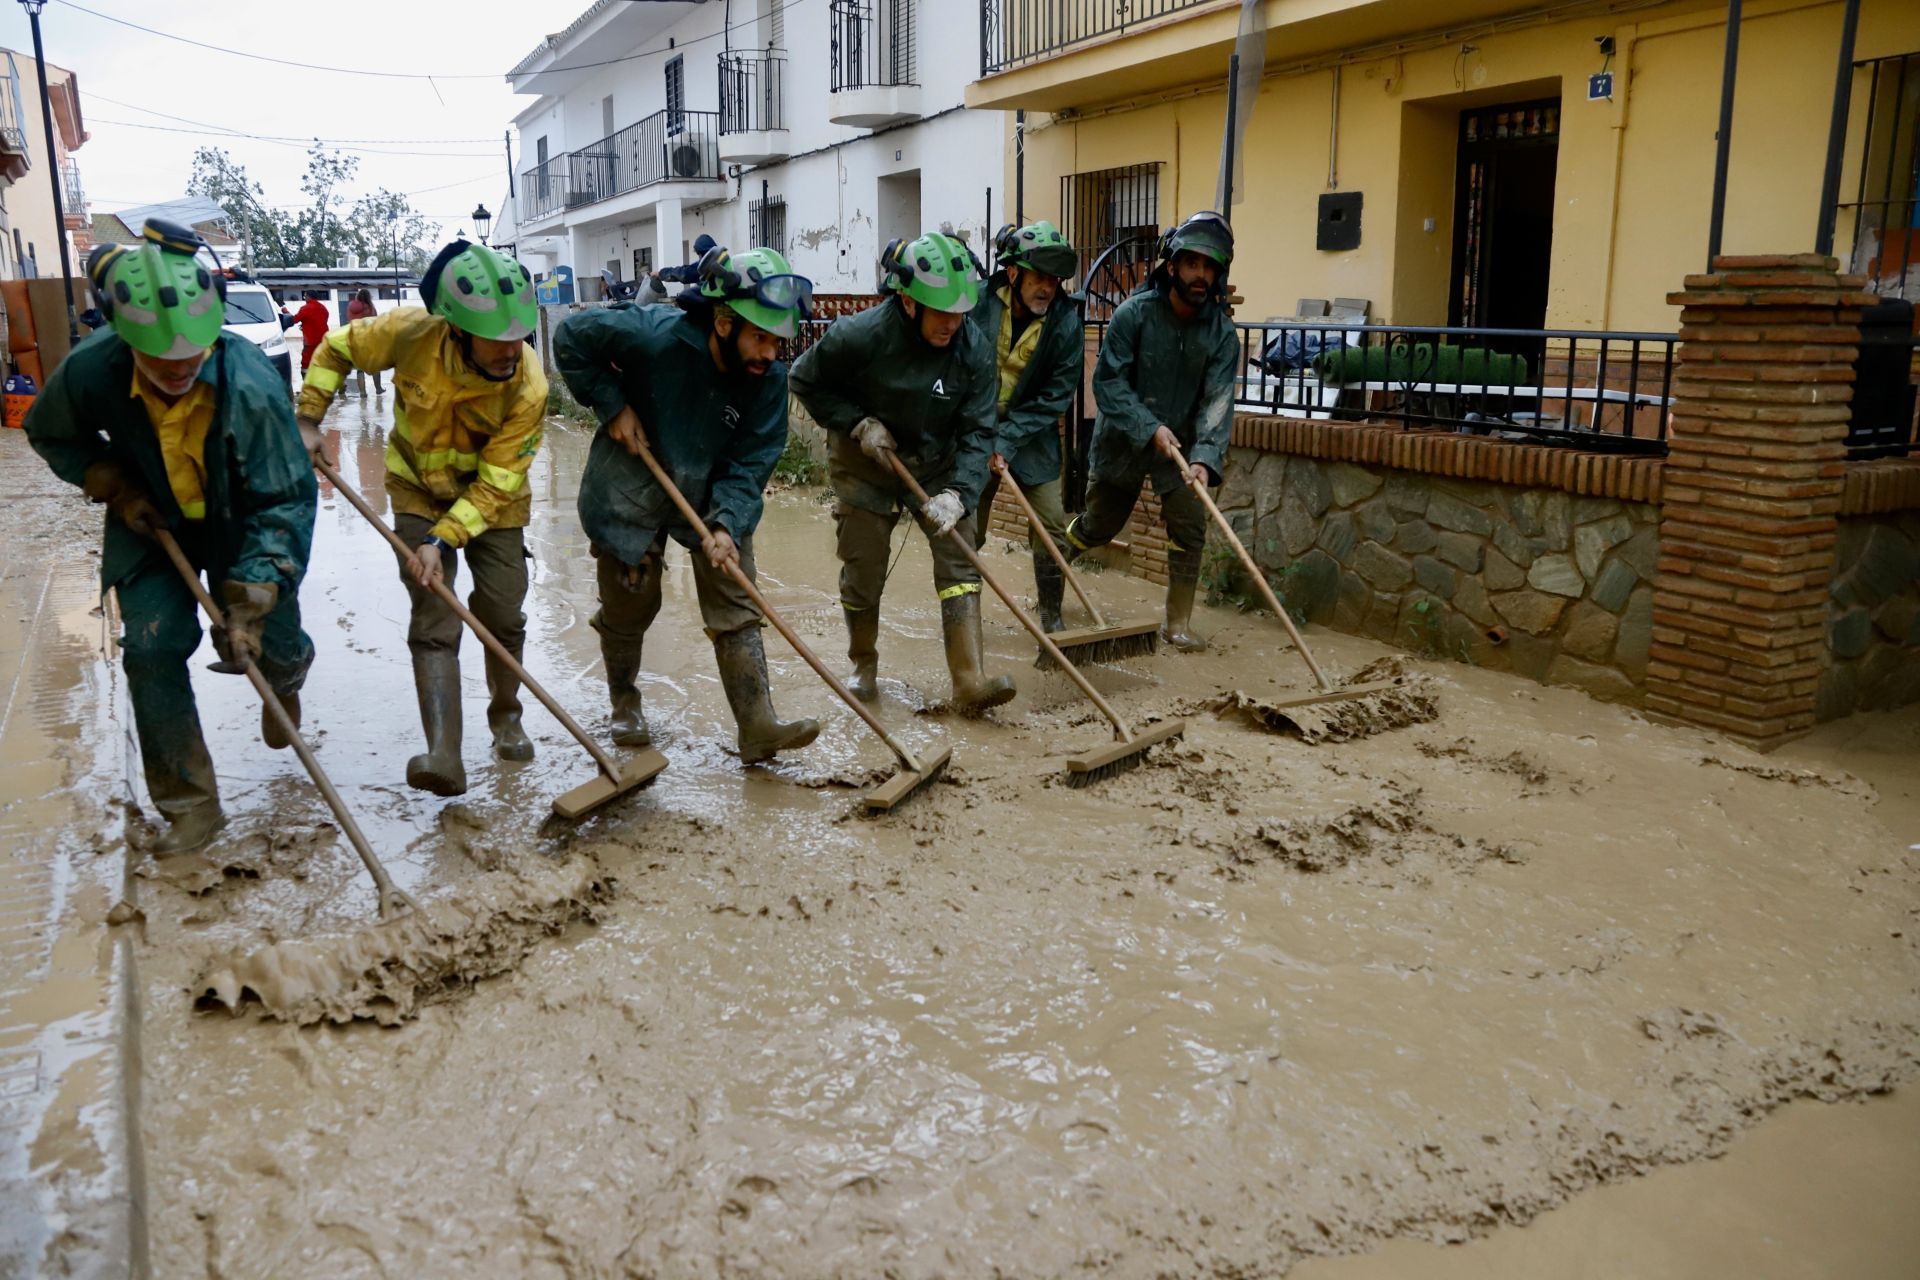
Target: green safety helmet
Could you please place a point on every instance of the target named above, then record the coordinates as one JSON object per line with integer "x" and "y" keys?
{"x": 1039, "y": 246}
{"x": 1206, "y": 233}
{"x": 481, "y": 291}
{"x": 935, "y": 271}
{"x": 760, "y": 288}
{"x": 166, "y": 296}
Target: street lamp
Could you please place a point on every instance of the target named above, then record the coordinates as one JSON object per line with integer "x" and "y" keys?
{"x": 33, "y": 8}
{"x": 482, "y": 221}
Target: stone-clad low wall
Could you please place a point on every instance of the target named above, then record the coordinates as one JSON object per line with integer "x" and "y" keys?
{"x": 1541, "y": 582}
{"x": 1873, "y": 618}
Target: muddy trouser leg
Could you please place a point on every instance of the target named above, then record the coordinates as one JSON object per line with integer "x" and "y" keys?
{"x": 285, "y": 655}
{"x": 1185, "y": 517}
{"x": 162, "y": 631}
{"x": 739, "y": 649}
{"x": 1109, "y": 507}
{"x": 498, "y": 561}
{"x": 1049, "y": 584}
{"x": 862, "y": 541}
{"x": 629, "y": 602}
{"x": 433, "y": 638}
{"x": 983, "y": 518}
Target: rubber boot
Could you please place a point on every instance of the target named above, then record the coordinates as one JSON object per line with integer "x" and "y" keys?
{"x": 628, "y": 722}
{"x": 1178, "y": 628}
{"x": 188, "y": 798}
{"x": 1050, "y": 585}
{"x": 742, "y": 658}
{"x": 270, "y": 724}
{"x": 510, "y": 741}
{"x": 960, "y": 624}
{"x": 863, "y": 650}
{"x": 436, "y": 676}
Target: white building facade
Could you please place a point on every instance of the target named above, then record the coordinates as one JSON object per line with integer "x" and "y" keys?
{"x": 824, "y": 127}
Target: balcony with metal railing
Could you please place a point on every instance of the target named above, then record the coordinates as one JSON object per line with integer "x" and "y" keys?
{"x": 874, "y": 55}
{"x": 668, "y": 147}
{"x": 1016, "y": 32}
{"x": 73, "y": 195}
{"x": 753, "y": 122}
{"x": 14, "y": 159}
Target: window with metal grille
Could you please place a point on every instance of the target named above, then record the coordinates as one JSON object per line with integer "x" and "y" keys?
{"x": 1106, "y": 206}
{"x": 767, "y": 220}
{"x": 676, "y": 95}
{"x": 1886, "y": 207}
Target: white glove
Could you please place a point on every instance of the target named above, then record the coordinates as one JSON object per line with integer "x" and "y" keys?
{"x": 943, "y": 511}
{"x": 874, "y": 439}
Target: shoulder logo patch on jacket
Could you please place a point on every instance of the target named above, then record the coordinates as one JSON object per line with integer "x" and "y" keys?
{"x": 939, "y": 386}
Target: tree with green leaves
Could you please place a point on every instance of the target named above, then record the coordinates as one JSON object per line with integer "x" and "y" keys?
{"x": 387, "y": 230}
{"x": 263, "y": 231}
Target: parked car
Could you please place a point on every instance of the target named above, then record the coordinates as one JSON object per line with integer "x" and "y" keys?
{"x": 252, "y": 314}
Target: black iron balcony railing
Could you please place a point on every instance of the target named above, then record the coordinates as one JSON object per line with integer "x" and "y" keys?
{"x": 751, "y": 94}
{"x": 872, "y": 44}
{"x": 12, "y": 136}
{"x": 667, "y": 146}
{"x": 1017, "y": 31}
{"x": 73, "y": 192}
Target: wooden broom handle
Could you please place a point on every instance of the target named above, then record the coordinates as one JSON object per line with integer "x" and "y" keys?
{"x": 1046, "y": 539}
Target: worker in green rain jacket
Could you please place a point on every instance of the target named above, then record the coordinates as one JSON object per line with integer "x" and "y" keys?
{"x": 1038, "y": 338}
{"x": 909, "y": 377}
{"x": 1165, "y": 379}
{"x": 175, "y": 425}
{"x": 699, "y": 385}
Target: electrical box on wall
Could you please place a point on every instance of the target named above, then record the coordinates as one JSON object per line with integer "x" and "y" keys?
{"x": 1339, "y": 226}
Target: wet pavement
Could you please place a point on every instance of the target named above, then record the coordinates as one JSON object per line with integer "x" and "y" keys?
{"x": 1255, "y": 1002}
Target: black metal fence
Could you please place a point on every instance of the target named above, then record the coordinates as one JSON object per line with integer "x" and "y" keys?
{"x": 667, "y": 146}
{"x": 1886, "y": 204}
{"x": 1017, "y": 31}
{"x": 872, "y": 44}
{"x": 751, "y": 94}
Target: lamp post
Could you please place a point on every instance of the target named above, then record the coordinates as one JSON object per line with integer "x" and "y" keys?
{"x": 482, "y": 221}
{"x": 33, "y": 8}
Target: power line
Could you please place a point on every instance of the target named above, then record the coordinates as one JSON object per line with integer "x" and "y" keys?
{"x": 283, "y": 142}
{"x": 780, "y": 6}
{"x": 269, "y": 137}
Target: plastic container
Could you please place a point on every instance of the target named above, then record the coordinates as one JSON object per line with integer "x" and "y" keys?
{"x": 20, "y": 392}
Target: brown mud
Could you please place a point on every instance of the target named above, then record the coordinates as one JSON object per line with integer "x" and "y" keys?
{"x": 1254, "y": 1002}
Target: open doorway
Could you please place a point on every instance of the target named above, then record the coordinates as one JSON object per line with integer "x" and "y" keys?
{"x": 899, "y": 211}
{"x": 1503, "y": 214}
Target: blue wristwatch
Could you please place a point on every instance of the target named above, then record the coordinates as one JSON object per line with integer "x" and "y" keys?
{"x": 432, "y": 541}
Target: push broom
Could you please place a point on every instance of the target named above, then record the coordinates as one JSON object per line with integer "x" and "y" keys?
{"x": 1328, "y": 691}
{"x": 615, "y": 780}
{"x": 1128, "y": 749}
{"x": 1103, "y": 641}
{"x": 914, "y": 773}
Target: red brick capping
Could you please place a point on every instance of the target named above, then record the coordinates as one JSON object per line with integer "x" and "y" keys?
{"x": 1448, "y": 453}
{"x": 1880, "y": 485}
{"x": 1753, "y": 484}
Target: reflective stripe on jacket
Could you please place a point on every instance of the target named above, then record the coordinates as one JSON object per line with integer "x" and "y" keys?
{"x": 461, "y": 444}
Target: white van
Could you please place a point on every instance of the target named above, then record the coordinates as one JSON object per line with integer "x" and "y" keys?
{"x": 253, "y": 315}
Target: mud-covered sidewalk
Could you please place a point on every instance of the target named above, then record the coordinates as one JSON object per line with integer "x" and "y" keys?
{"x": 1253, "y": 1002}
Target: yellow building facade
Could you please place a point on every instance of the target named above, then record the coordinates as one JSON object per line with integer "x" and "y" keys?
{"x": 1492, "y": 189}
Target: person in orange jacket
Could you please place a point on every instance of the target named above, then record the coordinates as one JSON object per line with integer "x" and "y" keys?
{"x": 313, "y": 328}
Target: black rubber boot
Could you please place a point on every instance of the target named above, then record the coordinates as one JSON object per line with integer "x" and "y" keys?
{"x": 628, "y": 722}
{"x": 863, "y": 650}
{"x": 1050, "y": 585}
{"x": 436, "y": 677}
{"x": 1178, "y": 628}
{"x": 960, "y": 624}
{"x": 510, "y": 741}
{"x": 270, "y": 724}
{"x": 189, "y": 831}
{"x": 742, "y": 658}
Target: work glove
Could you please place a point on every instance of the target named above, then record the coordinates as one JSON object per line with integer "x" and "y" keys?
{"x": 874, "y": 439}
{"x": 109, "y": 482}
{"x": 247, "y": 605}
{"x": 943, "y": 511}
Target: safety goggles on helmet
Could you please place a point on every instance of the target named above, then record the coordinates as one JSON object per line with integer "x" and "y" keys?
{"x": 784, "y": 293}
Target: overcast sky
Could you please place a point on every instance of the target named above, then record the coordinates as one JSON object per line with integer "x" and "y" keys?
{"x": 143, "y": 74}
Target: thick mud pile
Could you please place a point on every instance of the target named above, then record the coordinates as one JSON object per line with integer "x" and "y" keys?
{"x": 1254, "y": 1001}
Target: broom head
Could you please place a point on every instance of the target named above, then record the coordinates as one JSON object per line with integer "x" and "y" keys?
{"x": 1118, "y": 757}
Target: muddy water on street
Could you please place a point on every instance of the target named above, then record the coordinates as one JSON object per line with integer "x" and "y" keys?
{"x": 1253, "y": 1002}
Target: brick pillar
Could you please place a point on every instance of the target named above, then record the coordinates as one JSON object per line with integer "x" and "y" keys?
{"x": 1752, "y": 486}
